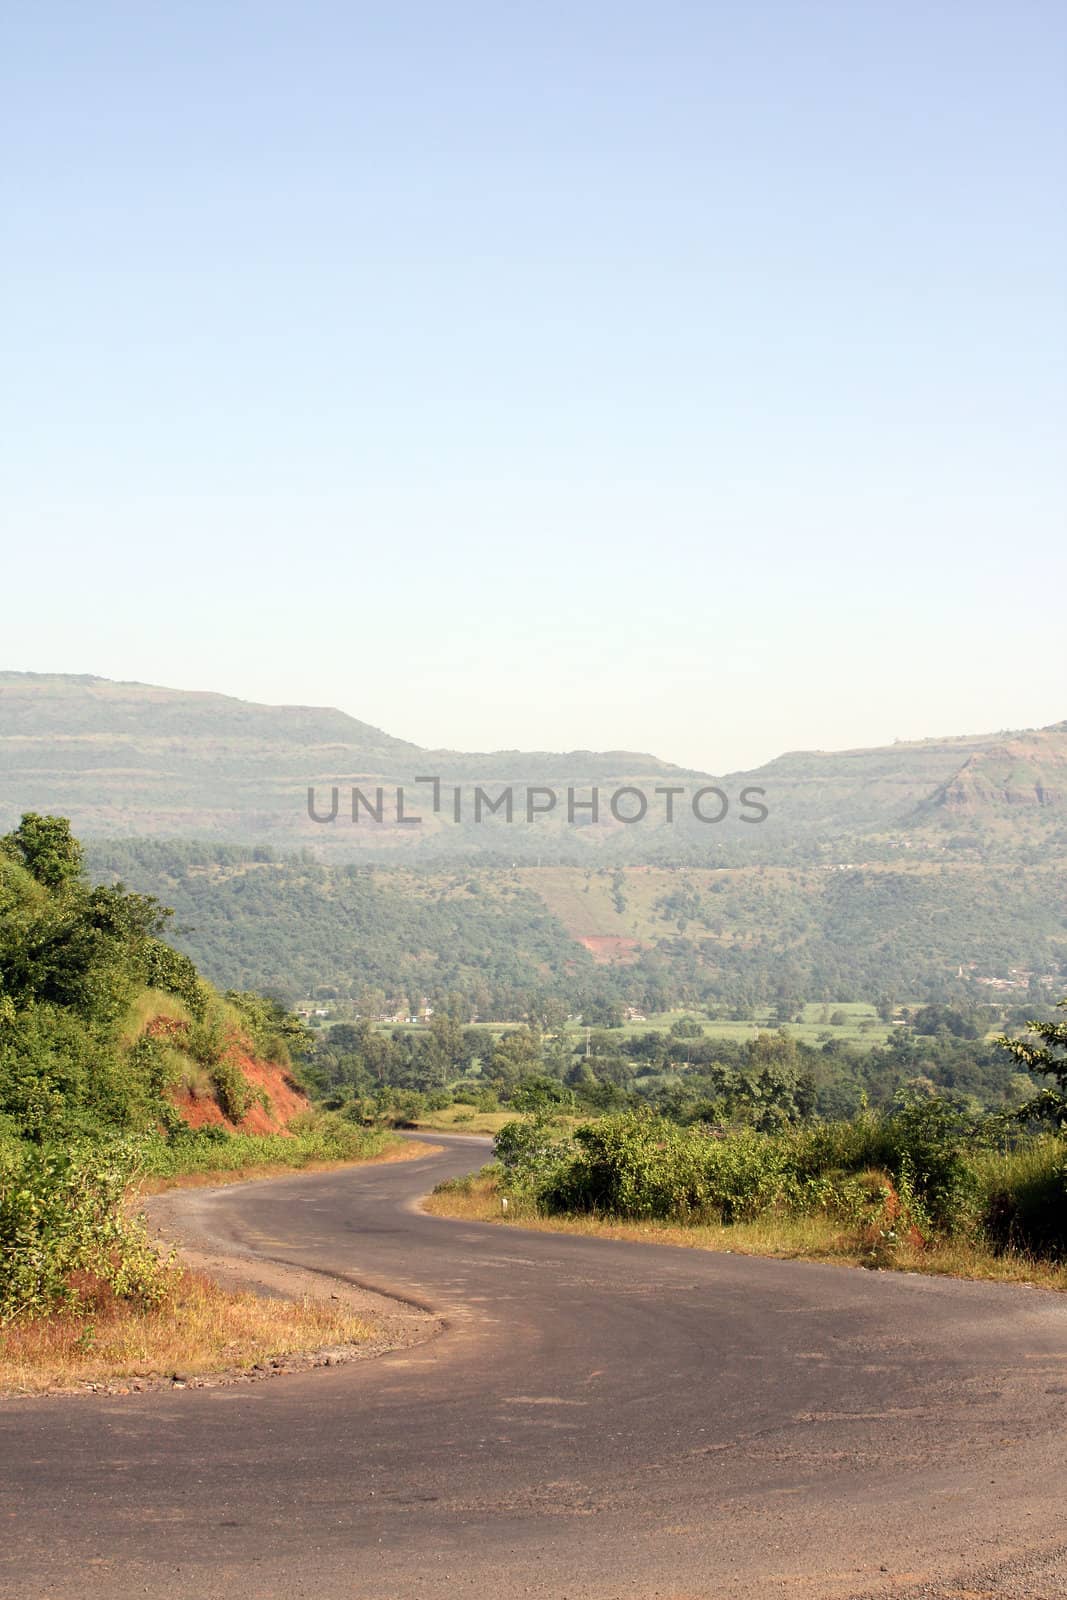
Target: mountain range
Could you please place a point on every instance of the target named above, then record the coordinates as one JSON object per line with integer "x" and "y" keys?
{"x": 129, "y": 760}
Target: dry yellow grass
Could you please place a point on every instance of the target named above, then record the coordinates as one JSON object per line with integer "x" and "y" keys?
{"x": 466, "y": 1119}
{"x": 463, "y": 1119}
{"x": 787, "y": 1237}
{"x": 146, "y": 1007}
{"x": 199, "y": 1329}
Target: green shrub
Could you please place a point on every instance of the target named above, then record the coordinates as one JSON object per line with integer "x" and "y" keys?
{"x": 61, "y": 1077}
{"x": 174, "y": 973}
{"x": 235, "y": 1093}
{"x": 933, "y": 1148}
{"x": 208, "y": 1037}
{"x": 922, "y": 1158}
{"x": 209, "y": 1040}
{"x": 61, "y": 1213}
{"x": 852, "y": 1145}
{"x": 626, "y": 1166}
{"x": 927, "y": 1144}
{"x": 274, "y": 1033}
{"x": 528, "y": 1151}
{"x": 747, "y": 1173}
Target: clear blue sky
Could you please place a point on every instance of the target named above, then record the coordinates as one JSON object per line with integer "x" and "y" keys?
{"x": 686, "y": 377}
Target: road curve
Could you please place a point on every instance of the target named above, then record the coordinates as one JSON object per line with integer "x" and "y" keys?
{"x": 598, "y": 1420}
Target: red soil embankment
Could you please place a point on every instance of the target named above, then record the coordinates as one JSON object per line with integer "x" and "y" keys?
{"x": 609, "y": 947}
{"x": 284, "y": 1100}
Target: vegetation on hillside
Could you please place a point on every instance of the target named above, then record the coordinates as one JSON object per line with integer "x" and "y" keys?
{"x": 496, "y": 943}
{"x": 102, "y": 1026}
{"x": 898, "y": 1130}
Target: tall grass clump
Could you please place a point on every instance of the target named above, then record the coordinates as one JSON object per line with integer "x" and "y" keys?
{"x": 1024, "y": 1198}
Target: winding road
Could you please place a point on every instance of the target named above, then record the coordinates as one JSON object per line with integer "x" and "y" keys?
{"x": 598, "y": 1419}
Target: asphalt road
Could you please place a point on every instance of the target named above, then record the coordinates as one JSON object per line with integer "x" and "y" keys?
{"x": 599, "y": 1419}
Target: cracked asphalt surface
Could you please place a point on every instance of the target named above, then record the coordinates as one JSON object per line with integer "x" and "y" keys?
{"x": 599, "y": 1420}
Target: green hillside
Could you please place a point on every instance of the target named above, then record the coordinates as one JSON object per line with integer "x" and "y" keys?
{"x": 653, "y": 938}
{"x": 118, "y": 1060}
{"x": 106, "y": 1029}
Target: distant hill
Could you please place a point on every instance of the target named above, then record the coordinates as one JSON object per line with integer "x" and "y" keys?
{"x": 1019, "y": 770}
{"x": 126, "y": 760}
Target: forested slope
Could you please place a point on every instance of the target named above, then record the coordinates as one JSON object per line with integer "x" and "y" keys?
{"x": 653, "y": 938}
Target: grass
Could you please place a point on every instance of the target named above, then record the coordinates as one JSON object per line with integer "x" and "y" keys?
{"x": 783, "y": 1235}
{"x": 863, "y": 1028}
{"x": 198, "y": 1329}
{"x": 186, "y": 1075}
{"x": 265, "y": 1166}
{"x": 147, "y": 1006}
{"x": 466, "y": 1119}
{"x": 313, "y": 1139}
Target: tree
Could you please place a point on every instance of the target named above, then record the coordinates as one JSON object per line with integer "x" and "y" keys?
{"x": 1045, "y": 1055}
{"x": 931, "y": 1019}
{"x": 444, "y": 1051}
{"x": 48, "y": 849}
{"x": 515, "y": 1055}
{"x": 549, "y": 1013}
{"x": 371, "y": 1003}
{"x": 598, "y": 1013}
{"x": 557, "y": 1054}
{"x": 540, "y": 1093}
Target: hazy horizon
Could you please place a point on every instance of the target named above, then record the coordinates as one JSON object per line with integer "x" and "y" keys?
{"x": 548, "y": 748}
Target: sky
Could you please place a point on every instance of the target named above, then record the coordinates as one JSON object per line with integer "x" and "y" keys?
{"x": 683, "y": 377}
